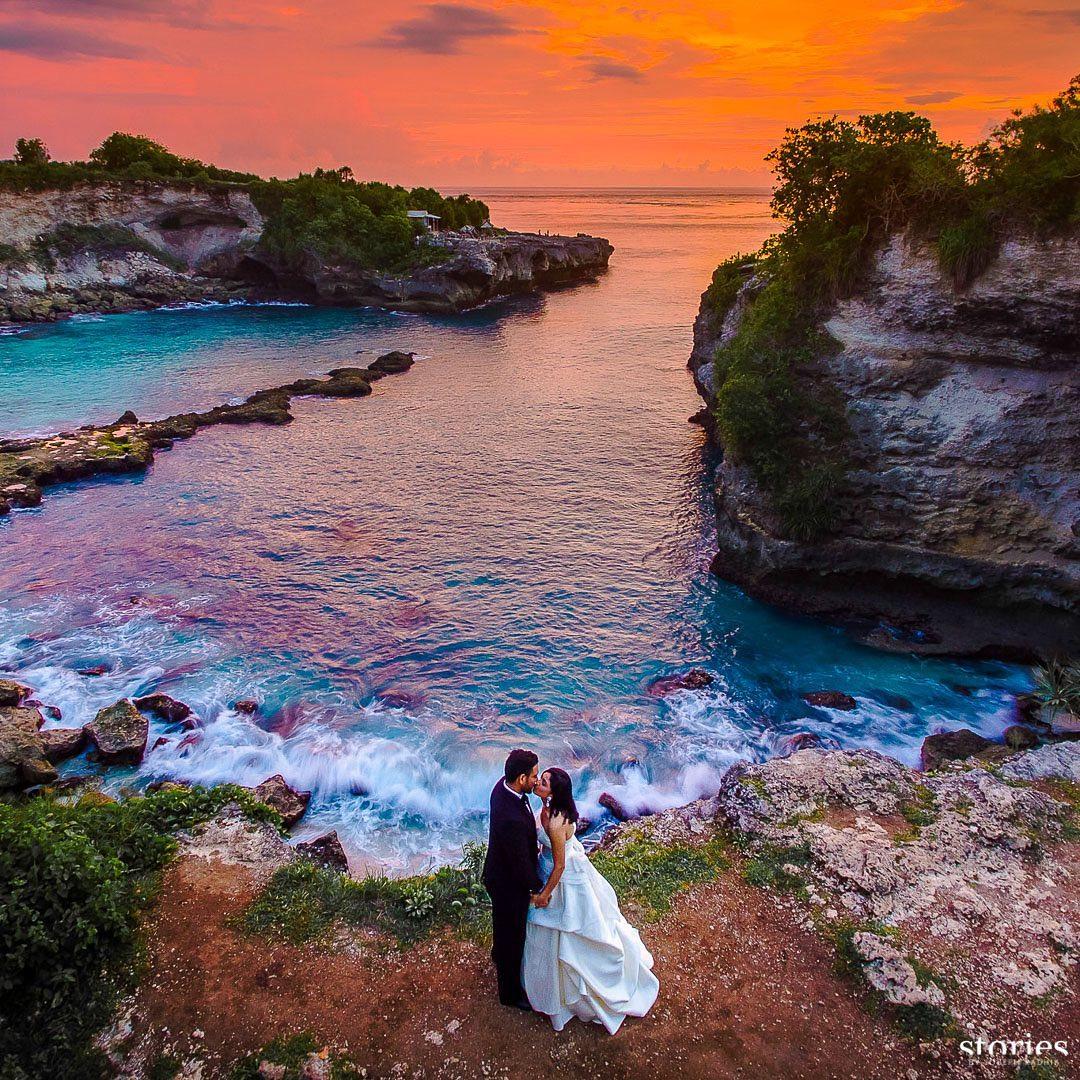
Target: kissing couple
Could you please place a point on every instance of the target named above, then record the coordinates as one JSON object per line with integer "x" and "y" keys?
{"x": 561, "y": 945}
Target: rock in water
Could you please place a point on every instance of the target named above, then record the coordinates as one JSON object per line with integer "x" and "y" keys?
{"x": 59, "y": 744}
{"x": 694, "y": 679}
{"x": 326, "y": 851}
{"x": 392, "y": 363}
{"x": 1020, "y": 738}
{"x": 119, "y": 734}
{"x": 952, "y": 746}
{"x": 168, "y": 708}
{"x": 22, "y": 758}
{"x": 614, "y": 807}
{"x": 246, "y": 707}
{"x": 830, "y": 699}
{"x": 11, "y": 693}
{"x": 286, "y": 800}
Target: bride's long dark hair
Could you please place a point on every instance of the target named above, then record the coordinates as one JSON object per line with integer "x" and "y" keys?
{"x": 562, "y": 795}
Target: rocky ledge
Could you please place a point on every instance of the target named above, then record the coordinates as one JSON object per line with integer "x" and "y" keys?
{"x": 959, "y": 529}
{"x": 140, "y": 244}
{"x": 953, "y": 895}
{"x": 28, "y": 466}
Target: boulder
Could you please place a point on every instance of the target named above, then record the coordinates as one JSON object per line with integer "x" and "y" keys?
{"x": 614, "y": 807}
{"x": 889, "y": 972}
{"x": 952, "y": 746}
{"x": 59, "y": 744}
{"x": 392, "y": 363}
{"x": 119, "y": 734}
{"x": 1065, "y": 725}
{"x": 694, "y": 679}
{"x": 94, "y": 671}
{"x": 245, "y": 706}
{"x": 1020, "y": 738}
{"x": 830, "y": 699}
{"x": 326, "y": 851}
{"x": 12, "y": 693}
{"x": 22, "y": 760}
{"x": 801, "y": 740}
{"x": 286, "y": 800}
{"x": 52, "y": 712}
{"x": 163, "y": 706}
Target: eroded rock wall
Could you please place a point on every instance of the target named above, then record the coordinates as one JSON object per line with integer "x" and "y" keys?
{"x": 960, "y": 526}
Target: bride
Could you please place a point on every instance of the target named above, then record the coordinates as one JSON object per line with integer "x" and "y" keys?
{"x": 582, "y": 958}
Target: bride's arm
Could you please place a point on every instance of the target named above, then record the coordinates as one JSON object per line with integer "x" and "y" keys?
{"x": 558, "y": 853}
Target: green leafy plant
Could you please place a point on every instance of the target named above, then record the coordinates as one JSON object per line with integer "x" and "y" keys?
{"x": 1057, "y": 686}
{"x": 653, "y": 874}
{"x": 843, "y": 187}
{"x": 303, "y": 902}
{"x": 292, "y": 1052}
{"x": 73, "y": 881}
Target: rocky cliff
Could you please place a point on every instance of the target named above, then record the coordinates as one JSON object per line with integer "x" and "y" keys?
{"x": 116, "y": 246}
{"x": 959, "y": 529}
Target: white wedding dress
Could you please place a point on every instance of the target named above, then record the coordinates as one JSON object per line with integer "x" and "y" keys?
{"x": 582, "y": 958}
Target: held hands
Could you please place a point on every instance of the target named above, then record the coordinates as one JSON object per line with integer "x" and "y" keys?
{"x": 540, "y": 900}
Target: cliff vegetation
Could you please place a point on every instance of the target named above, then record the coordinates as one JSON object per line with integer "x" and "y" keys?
{"x": 844, "y": 187}
{"x": 328, "y": 213}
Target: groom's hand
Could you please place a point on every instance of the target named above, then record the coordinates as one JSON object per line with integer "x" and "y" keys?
{"x": 539, "y": 900}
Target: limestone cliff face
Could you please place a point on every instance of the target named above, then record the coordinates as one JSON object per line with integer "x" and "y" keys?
{"x": 114, "y": 246}
{"x": 108, "y": 247}
{"x": 960, "y": 528}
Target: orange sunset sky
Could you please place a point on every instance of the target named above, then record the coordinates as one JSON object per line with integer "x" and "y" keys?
{"x": 569, "y": 92}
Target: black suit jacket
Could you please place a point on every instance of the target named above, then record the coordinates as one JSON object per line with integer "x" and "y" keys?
{"x": 512, "y": 860}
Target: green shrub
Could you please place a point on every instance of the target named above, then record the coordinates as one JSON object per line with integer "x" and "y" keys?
{"x": 327, "y": 213}
{"x": 842, "y": 188}
{"x": 290, "y": 1051}
{"x": 73, "y": 881}
{"x": 303, "y": 902}
{"x": 967, "y": 248}
{"x": 653, "y": 874}
{"x": 773, "y": 867}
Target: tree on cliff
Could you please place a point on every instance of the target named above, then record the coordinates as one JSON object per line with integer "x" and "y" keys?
{"x": 31, "y": 152}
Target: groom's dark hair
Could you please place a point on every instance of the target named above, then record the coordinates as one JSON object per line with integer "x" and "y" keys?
{"x": 519, "y": 763}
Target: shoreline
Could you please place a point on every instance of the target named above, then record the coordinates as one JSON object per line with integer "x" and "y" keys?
{"x": 30, "y": 466}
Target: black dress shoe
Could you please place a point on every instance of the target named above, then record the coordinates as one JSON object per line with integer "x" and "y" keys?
{"x": 521, "y": 1003}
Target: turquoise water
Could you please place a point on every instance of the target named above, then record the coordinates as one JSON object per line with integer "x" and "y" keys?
{"x": 501, "y": 547}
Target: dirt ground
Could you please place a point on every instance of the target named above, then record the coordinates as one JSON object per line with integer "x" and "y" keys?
{"x": 744, "y": 993}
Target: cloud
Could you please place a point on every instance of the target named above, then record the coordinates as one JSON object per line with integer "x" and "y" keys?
{"x": 61, "y": 43}
{"x": 934, "y": 97}
{"x": 443, "y": 29}
{"x": 1066, "y": 18}
{"x": 603, "y": 67}
{"x": 184, "y": 14}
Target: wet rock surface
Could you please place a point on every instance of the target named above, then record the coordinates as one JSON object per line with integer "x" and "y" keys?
{"x": 286, "y": 800}
{"x": 325, "y": 851}
{"x": 119, "y": 733}
{"x": 22, "y": 755}
{"x": 29, "y": 466}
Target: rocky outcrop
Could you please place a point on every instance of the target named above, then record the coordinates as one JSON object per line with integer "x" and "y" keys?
{"x": 119, "y": 733}
{"x": 959, "y": 530}
{"x": 287, "y": 801}
{"x": 28, "y": 466}
{"x": 954, "y": 890}
{"x": 139, "y": 244}
{"x": 22, "y": 755}
{"x": 475, "y": 272}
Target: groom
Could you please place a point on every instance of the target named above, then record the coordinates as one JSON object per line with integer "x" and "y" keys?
{"x": 511, "y": 873}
